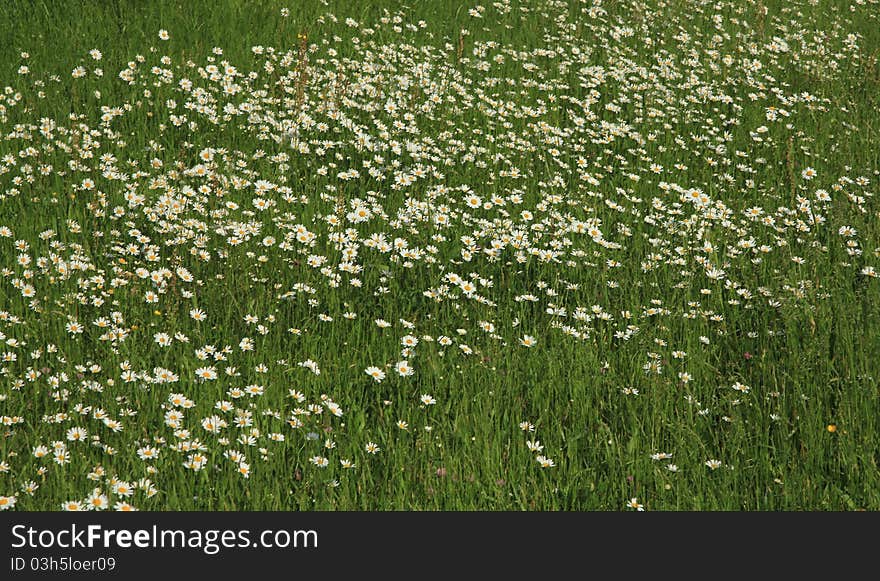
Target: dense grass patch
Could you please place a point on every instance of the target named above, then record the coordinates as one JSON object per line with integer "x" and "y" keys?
{"x": 518, "y": 255}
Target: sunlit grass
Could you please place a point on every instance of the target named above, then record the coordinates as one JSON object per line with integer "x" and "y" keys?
{"x": 523, "y": 255}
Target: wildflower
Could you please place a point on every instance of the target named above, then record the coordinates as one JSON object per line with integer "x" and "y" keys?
{"x": 122, "y": 488}
{"x": 97, "y": 501}
{"x": 74, "y": 328}
{"x": 404, "y": 369}
{"x": 741, "y": 387}
{"x": 634, "y": 503}
{"x": 377, "y": 374}
{"x": 206, "y": 373}
{"x": 77, "y": 434}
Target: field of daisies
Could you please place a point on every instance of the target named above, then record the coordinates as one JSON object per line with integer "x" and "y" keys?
{"x": 512, "y": 255}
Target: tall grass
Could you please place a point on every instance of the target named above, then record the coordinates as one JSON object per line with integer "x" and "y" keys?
{"x": 610, "y": 115}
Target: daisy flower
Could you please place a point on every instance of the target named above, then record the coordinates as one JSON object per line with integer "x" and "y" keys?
{"x": 377, "y": 374}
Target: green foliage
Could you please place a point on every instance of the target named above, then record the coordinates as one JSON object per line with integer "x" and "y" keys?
{"x": 631, "y": 253}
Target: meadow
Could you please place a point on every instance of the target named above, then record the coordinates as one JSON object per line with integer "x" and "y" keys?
{"x": 514, "y": 255}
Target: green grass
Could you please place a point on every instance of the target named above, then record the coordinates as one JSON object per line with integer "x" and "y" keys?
{"x": 608, "y": 118}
